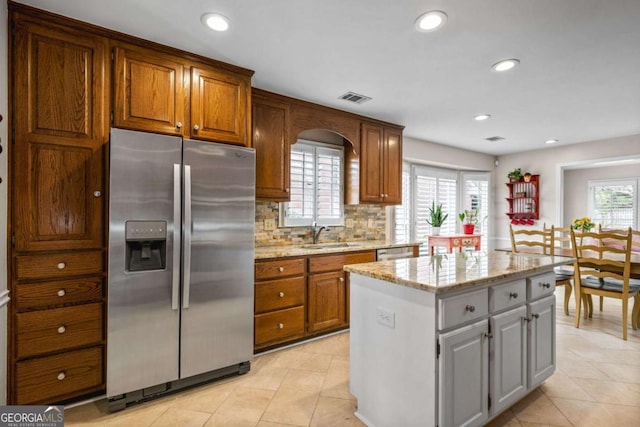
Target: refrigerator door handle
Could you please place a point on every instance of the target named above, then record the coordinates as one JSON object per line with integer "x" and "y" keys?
{"x": 175, "y": 281}
{"x": 186, "y": 261}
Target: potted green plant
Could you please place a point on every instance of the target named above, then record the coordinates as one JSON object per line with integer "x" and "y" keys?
{"x": 515, "y": 175}
{"x": 469, "y": 219}
{"x": 436, "y": 217}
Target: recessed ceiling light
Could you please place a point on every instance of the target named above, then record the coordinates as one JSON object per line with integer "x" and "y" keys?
{"x": 505, "y": 65}
{"x": 430, "y": 21}
{"x": 215, "y": 21}
{"x": 551, "y": 141}
{"x": 482, "y": 117}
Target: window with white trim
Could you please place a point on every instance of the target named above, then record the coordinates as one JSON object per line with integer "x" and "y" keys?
{"x": 614, "y": 203}
{"x": 457, "y": 191}
{"x": 316, "y": 185}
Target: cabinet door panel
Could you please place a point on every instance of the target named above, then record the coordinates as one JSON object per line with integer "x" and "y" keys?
{"x": 149, "y": 91}
{"x": 271, "y": 141}
{"x": 464, "y": 376}
{"x": 542, "y": 340}
{"x": 508, "y": 358}
{"x": 60, "y": 117}
{"x": 392, "y": 167}
{"x": 326, "y": 303}
{"x": 56, "y": 203}
{"x": 219, "y": 103}
{"x": 371, "y": 171}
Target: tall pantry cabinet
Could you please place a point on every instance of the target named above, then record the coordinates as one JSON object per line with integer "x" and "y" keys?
{"x": 60, "y": 124}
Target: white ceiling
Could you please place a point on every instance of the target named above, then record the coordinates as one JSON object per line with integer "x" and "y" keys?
{"x": 579, "y": 77}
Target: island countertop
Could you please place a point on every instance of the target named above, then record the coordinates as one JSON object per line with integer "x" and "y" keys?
{"x": 444, "y": 273}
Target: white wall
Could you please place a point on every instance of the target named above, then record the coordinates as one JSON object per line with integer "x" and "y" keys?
{"x": 3, "y": 195}
{"x": 549, "y": 163}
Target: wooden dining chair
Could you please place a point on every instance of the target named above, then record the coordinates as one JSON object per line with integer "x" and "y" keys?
{"x": 534, "y": 240}
{"x": 561, "y": 236}
{"x": 603, "y": 270}
{"x": 635, "y": 247}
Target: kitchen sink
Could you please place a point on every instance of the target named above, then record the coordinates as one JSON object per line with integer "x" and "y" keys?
{"x": 331, "y": 245}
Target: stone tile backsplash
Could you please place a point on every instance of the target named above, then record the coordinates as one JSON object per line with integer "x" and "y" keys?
{"x": 369, "y": 223}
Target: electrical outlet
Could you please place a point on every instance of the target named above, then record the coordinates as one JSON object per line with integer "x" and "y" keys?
{"x": 370, "y": 223}
{"x": 349, "y": 223}
{"x": 386, "y": 317}
{"x": 269, "y": 224}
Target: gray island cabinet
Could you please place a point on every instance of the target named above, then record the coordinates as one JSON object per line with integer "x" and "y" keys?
{"x": 450, "y": 340}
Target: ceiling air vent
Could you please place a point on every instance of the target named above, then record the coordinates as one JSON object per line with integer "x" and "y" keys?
{"x": 495, "y": 138}
{"x": 354, "y": 97}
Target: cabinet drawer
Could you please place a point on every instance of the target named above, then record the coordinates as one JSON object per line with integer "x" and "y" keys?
{"x": 278, "y": 294}
{"x": 507, "y": 295}
{"x": 33, "y": 296}
{"x": 541, "y": 285}
{"x": 279, "y": 268}
{"x": 463, "y": 308}
{"x": 44, "y": 331}
{"x": 43, "y": 379}
{"x": 279, "y": 325}
{"x": 336, "y": 262}
{"x": 59, "y": 265}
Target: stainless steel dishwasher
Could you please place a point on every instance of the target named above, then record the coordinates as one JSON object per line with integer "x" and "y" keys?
{"x": 394, "y": 253}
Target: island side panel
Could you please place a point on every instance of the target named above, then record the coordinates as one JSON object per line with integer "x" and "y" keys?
{"x": 392, "y": 353}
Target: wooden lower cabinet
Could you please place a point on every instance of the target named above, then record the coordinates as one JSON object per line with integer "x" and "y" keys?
{"x": 301, "y": 297}
{"x": 52, "y": 378}
{"x": 327, "y": 301}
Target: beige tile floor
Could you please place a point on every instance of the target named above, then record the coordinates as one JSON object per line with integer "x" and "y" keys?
{"x": 597, "y": 383}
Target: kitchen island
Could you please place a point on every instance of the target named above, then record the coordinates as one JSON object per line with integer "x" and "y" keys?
{"x": 452, "y": 339}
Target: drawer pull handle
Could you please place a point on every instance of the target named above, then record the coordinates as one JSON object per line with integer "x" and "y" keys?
{"x": 62, "y": 329}
{"x": 341, "y": 279}
{"x": 196, "y": 128}
{"x": 179, "y": 125}
{"x": 513, "y": 295}
{"x": 546, "y": 285}
{"x": 280, "y": 269}
{"x": 470, "y": 308}
{"x": 61, "y": 266}
{"x": 61, "y": 376}
{"x": 281, "y": 294}
{"x": 280, "y": 325}
{"x": 61, "y": 293}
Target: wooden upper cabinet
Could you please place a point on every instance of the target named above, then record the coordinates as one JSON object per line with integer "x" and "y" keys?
{"x": 380, "y": 165}
{"x": 162, "y": 93}
{"x": 270, "y": 120}
{"x": 148, "y": 91}
{"x": 219, "y": 103}
{"x": 61, "y": 125}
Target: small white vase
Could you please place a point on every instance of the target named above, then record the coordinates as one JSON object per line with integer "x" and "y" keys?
{"x": 435, "y": 231}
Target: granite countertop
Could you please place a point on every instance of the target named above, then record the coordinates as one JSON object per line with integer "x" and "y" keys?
{"x": 443, "y": 273}
{"x": 280, "y": 251}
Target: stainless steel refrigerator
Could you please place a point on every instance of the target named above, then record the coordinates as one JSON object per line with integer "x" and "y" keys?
{"x": 180, "y": 288}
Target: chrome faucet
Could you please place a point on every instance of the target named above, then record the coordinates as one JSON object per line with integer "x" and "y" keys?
{"x": 315, "y": 231}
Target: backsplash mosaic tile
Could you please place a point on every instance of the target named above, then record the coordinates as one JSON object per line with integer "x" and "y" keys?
{"x": 369, "y": 223}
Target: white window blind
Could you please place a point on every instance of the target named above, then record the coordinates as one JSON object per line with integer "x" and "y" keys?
{"x": 422, "y": 185}
{"x": 475, "y": 195}
{"x": 613, "y": 204}
{"x": 316, "y": 186}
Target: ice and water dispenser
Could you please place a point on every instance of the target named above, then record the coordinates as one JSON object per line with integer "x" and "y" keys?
{"x": 146, "y": 245}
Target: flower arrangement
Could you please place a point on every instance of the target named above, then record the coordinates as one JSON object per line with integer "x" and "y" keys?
{"x": 583, "y": 224}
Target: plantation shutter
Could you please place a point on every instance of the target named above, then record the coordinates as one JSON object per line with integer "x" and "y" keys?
{"x": 402, "y": 213}
{"x": 475, "y": 195}
{"x": 613, "y": 204}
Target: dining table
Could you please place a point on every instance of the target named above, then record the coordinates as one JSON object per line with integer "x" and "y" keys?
{"x": 568, "y": 252}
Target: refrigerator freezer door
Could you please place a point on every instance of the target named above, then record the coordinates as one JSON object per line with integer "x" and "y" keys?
{"x": 217, "y": 326}
{"x": 143, "y": 329}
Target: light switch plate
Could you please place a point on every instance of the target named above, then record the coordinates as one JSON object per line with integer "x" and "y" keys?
{"x": 269, "y": 224}
{"x": 349, "y": 223}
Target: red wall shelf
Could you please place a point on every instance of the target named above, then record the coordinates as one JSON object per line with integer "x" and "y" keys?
{"x": 524, "y": 200}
